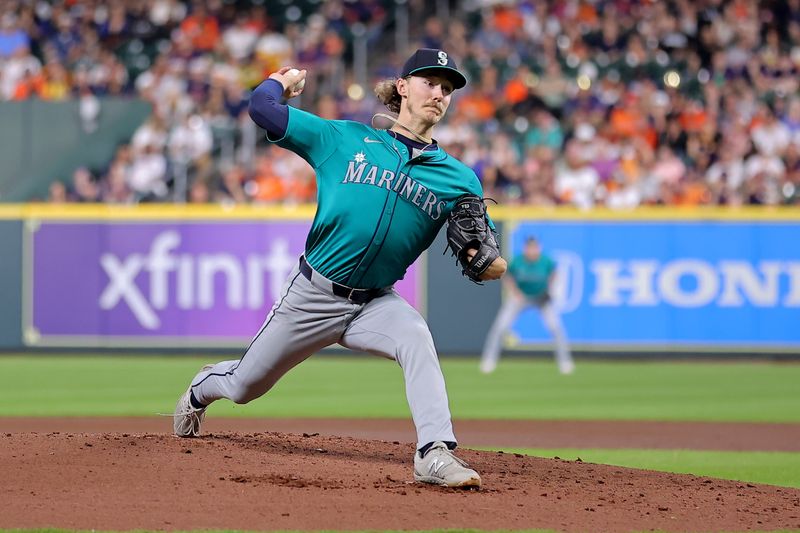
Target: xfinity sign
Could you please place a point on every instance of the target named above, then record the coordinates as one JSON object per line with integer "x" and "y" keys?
{"x": 160, "y": 283}
{"x": 189, "y": 278}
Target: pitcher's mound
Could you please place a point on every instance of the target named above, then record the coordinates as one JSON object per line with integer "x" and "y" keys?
{"x": 277, "y": 481}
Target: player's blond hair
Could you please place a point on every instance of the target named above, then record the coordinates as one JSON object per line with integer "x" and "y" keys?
{"x": 386, "y": 91}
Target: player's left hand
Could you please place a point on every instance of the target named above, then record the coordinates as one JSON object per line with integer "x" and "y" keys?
{"x": 495, "y": 270}
{"x": 472, "y": 240}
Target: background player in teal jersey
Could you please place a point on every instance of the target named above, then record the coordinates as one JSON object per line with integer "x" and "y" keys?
{"x": 383, "y": 195}
{"x": 529, "y": 282}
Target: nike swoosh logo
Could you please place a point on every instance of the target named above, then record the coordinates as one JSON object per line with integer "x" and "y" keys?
{"x": 368, "y": 140}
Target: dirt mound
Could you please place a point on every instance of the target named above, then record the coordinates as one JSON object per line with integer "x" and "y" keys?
{"x": 733, "y": 436}
{"x": 280, "y": 481}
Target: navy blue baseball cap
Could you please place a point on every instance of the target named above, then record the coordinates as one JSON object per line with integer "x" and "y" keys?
{"x": 427, "y": 59}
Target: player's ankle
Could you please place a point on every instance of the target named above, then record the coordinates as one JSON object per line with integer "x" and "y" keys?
{"x": 450, "y": 445}
{"x": 195, "y": 402}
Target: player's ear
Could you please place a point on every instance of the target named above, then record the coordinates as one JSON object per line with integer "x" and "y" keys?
{"x": 402, "y": 87}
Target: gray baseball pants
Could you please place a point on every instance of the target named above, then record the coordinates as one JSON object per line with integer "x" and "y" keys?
{"x": 308, "y": 317}
{"x": 505, "y": 319}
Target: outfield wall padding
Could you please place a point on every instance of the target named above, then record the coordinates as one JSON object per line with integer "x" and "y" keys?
{"x": 10, "y": 283}
{"x": 459, "y": 311}
{"x": 183, "y": 278}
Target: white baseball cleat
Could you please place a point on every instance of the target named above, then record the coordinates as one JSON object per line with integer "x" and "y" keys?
{"x": 566, "y": 368}
{"x": 186, "y": 419}
{"x": 440, "y": 466}
{"x": 487, "y": 367}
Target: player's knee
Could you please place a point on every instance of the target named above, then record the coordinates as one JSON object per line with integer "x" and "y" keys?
{"x": 247, "y": 392}
{"x": 415, "y": 332}
{"x": 413, "y": 341}
{"x": 246, "y": 396}
{"x": 241, "y": 398}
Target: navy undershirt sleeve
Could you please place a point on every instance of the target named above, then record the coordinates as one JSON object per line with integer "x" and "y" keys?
{"x": 267, "y": 110}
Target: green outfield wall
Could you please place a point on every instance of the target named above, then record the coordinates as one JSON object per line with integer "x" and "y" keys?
{"x": 10, "y": 283}
{"x": 41, "y": 142}
{"x": 459, "y": 312}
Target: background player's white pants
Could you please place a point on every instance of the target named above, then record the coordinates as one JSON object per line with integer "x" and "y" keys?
{"x": 505, "y": 319}
{"x": 309, "y": 317}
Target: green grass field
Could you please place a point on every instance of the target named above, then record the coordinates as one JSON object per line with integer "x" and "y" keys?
{"x": 519, "y": 389}
{"x": 773, "y": 468}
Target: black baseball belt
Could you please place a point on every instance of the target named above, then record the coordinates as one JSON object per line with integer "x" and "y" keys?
{"x": 357, "y": 296}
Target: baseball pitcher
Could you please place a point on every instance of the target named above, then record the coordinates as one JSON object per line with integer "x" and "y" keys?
{"x": 383, "y": 195}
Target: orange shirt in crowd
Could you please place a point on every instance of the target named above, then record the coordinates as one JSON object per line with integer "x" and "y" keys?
{"x": 270, "y": 189}
{"x": 28, "y": 87}
{"x": 204, "y": 32}
{"x": 693, "y": 119}
{"x": 332, "y": 44}
{"x": 628, "y": 122}
{"x": 693, "y": 194}
{"x": 507, "y": 20}
{"x": 755, "y": 122}
{"x": 741, "y": 9}
{"x": 515, "y": 91}
{"x": 625, "y": 121}
{"x": 302, "y": 190}
{"x": 268, "y": 183}
{"x": 477, "y": 106}
{"x": 586, "y": 14}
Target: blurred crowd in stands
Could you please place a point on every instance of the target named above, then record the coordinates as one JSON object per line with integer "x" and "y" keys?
{"x": 578, "y": 102}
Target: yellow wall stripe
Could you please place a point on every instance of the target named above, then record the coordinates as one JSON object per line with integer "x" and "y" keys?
{"x": 154, "y": 212}
{"x": 306, "y": 212}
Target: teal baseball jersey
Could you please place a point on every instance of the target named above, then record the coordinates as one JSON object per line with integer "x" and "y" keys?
{"x": 378, "y": 205}
{"x": 532, "y": 276}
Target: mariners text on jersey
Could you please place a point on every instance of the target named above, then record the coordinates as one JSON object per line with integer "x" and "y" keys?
{"x": 405, "y": 186}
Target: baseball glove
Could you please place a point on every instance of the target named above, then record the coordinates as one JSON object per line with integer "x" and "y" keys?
{"x": 468, "y": 228}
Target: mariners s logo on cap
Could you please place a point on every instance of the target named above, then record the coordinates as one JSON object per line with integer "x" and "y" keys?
{"x": 431, "y": 59}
